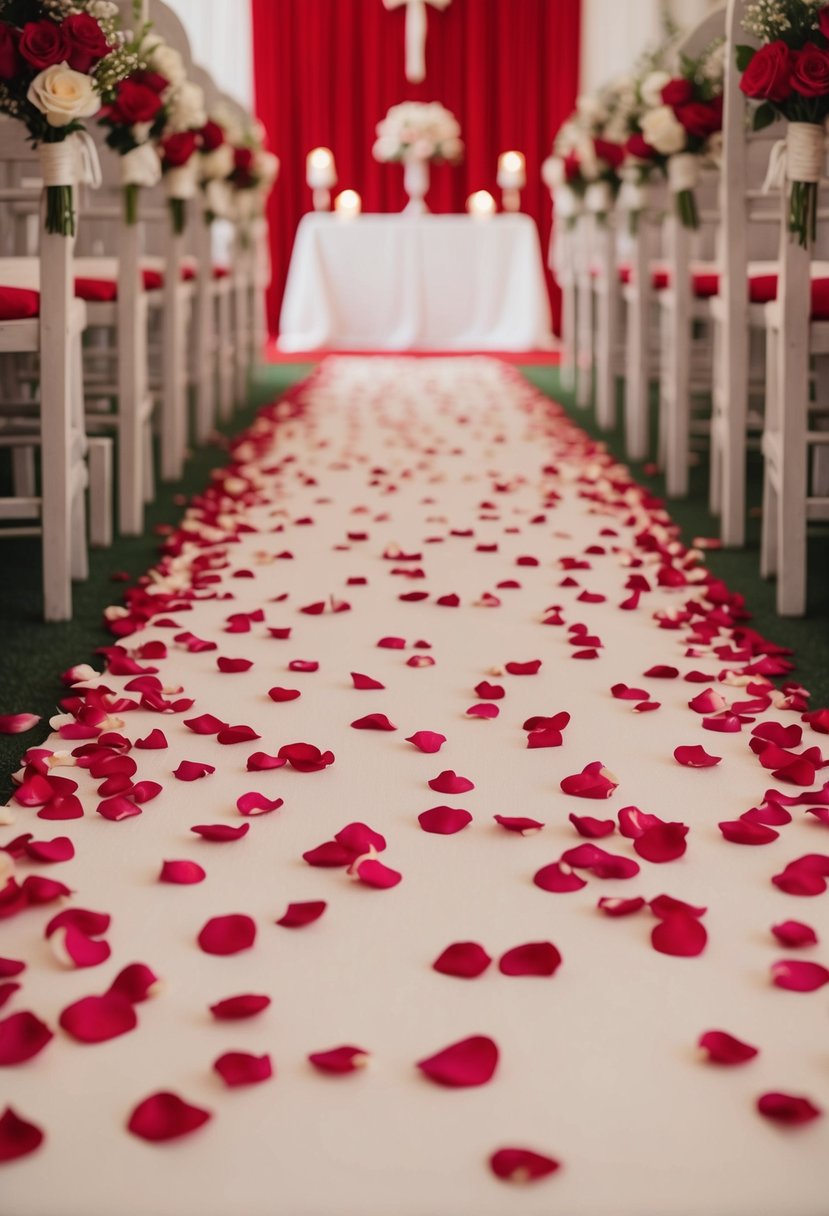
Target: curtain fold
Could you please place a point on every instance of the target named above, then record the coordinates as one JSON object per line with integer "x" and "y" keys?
{"x": 326, "y": 72}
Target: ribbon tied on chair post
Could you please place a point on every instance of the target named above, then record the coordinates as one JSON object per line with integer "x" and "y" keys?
{"x": 416, "y": 28}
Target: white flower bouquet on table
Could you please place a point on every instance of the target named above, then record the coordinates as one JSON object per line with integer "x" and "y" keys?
{"x": 418, "y": 130}
{"x": 57, "y": 59}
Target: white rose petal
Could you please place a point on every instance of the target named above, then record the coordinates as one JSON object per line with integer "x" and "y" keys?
{"x": 652, "y": 87}
{"x": 64, "y": 95}
{"x": 663, "y": 131}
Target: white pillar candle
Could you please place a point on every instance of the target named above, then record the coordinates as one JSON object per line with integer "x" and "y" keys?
{"x": 321, "y": 175}
{"x": 481, "y": 204}
{"x": 512, "y": 177}
{"x": 348, "y": 204}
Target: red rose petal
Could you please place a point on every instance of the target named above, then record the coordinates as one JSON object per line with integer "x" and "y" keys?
{"x": 365, "y": 682}
{"x": 666, "y": 905}
{"x": 185, "y": 873}
{"x": 483, "y": 711}
{"x": 722, "y": 1048}
{"x": 236, "y": 734}
{"x": 558, "y": 878}
{"x": 22, "y": 1036}
{"x": 137, "y": 982}
{"x": 305, "y": 757}
{"x": 93, "y": 924}
{"x": 373, "y": 873}
{"x": 518, "y": 823}
{"x": 600, "y": 862}
{"x": 662, "y": 842}
{"x": 523, "y": 669}
{"x": 165, "y": 1116}
{"x": 17, "y": 724}
{"x": 444, "y": 820}
{"x": 787, "y": 1109}
{"x": 227, "y": 934}
{"x": 261, "y": 762}
{"x": 51, "y": 851}
{"x": 232, "y": 666}
{"x": 74, "y": 948}
{"x": 465, "y": 960}
{"x": 373, "y": 722}
{"x": 236, "y": 1008}
{"x": 257, "y": 804}
{"x": 238, "y": 1068}
{"x": 533, "y": 958}
{"x": 661, "y": 672}
{"x": 359, "y": 838}
{"x": 594, "y": 781}
{"x": 679, "y": 934}
{"x": 428, "y": 741}
{"x": 284, "y": 694}
{"x": 695, "y": 757}
{"x": 797, "y": 976}
{"x": 206, "y": 724}
{"x": 469, "y": 1062}
{"x": 521, "y": 1165}
{"x": 10, "y": 967}
{"x": 743, "y": 831}
{"x": 593, "y": 829}
{"x": 329, "y": 855}
{"x": 448, "y": 782}
{"x": 97, "y": 1019}
{"x": 489, "y": 692}
{"x": 615, "y": 907}
{"x": 339, "y": 1060}
{"x": 306, "y": 665}
{"x": 299, "y": 915}
{"x": 221, "y": 833}
{"x": 18, "y": 1137}
{"x": 7, "y": 991}
{"x": 794, "y": 933}
{"x": 189, "y": 770}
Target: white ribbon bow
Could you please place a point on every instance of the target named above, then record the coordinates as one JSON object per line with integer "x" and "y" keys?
{"x": 71, "y": 161}
{"x": 800, "y": 157}
{"x": 416, "y": 27}
{"x": 141, "y": 167}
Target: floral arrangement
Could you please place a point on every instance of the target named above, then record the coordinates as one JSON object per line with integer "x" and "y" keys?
{"x": 58, "y": 58}
{"x": 584, "y": 166}
{"x": 417, "y": 130}
{"x": 788, "y": 75}
{"x": 678, "y": 125}
{"x": 181, "y": 141}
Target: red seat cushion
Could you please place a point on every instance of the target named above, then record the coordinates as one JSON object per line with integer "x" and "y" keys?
{"x": 188, "y": 272}
{"x": 18, "y": 303}
{"x": 762, "y": 289}
{"x": 96, "y": 291}
{"x": 153, "y": 280}
{"x": 221, "y": 272}
{"x": 706, "y": 283}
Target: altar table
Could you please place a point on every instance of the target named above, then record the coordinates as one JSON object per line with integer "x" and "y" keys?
{"x": 430, "y": 282}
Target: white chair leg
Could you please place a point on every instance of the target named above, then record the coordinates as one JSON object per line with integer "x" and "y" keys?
{"x": 148, "y": 467}
{"x": 568, "y": 332}
{"x": 80, "y": 553}
{"x": 23, "y": 472}
{"x": 99, "y": 460}
{"x": 769, "y": 539}
{"x": 225, "y": 356}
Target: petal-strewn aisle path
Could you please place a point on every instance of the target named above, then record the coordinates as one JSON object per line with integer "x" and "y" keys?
{"x": 492, "y": 647}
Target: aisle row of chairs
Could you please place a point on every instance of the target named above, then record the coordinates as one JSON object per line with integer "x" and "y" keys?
{"x": 730, "y": 323}
{"x": 144, "y": 341}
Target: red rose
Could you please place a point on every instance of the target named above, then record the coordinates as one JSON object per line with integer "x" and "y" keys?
{"x": 242, "y": 159}
{"x": 9, "y": 56}
{"x": 135, "y": 103}
{"x": 86, "y": 42}
{"x": 823, "y": 21}
{"x": 769, "y": 75}
{"x": 212, "y": 137}
{"x": 700, "y": 118}
{"x": 177, "y": 149}
{"x": 572, "y": 167}
{"x": 678, "y": 92}
{"x": 810, "y": 77}
{"x": 637, "y": 147}
{"x": 612, "y": 154}
{"x": 153, "y": 80}
{"x": 42, "y": 44}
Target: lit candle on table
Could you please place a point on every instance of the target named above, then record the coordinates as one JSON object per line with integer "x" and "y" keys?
{"x": 512, "y": 177}
{"x": 348, "y": 204}
{"x": 321, "y": 175}
{"x": 480, "y": 205}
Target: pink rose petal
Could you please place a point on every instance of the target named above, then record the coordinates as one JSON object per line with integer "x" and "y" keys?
{"x": 137, "y": 982}
{"x": 679, "y": 934}
{"x": 662, "y": 842}
{"x": 615, "y": 907}
{"x": 257, "y": 804}
{"x": 448, "y": 782}
{"x": 238, "y": 1068}
{"x": 74, "y": 948}
{"x": 533, "y": 958}
{"x": 444, "y": 820}
{"x": 227, "y": 934}
{"x": 18, "y": 1137}
{"x": 185, "y": 873}
{"x": 797, "y": 976}
{"x": 518, "y": 823}
{"x": 465, "y": 960}
{"x": 305, "y": 757}
{"x": 695, "y": 757}
{"x": 165, "y": 1116}
{"x": 744, "y": 831}
{"x": 594, "y": 781}
{"x": 297, "y": 916}
{"x": 233, "y": 666}
{"x": 600, "y": 862}
{"x": 793, "y": 933}
{"x": 521, "y": 1165}
{"x": 284, "y": 694}
{"x": 373, "y": 873}
{"x": 484, "y": 710}
{"x": 221, "y": 833}
{"x": 97, "y": 1019}
{"x": 558, "y": 878}
{"x": 469, "y": 1062}
{"x": 788, "y": 1109}
{"x": 237, "y": 1008}
{"x": 261, "y": 762}
{"x": 593, "y": 829}
{"x": 523, "y": 669}
{"x": 339, "y": 1060}
{"x": 429, "y": 741}
{"x": 723, "y": 1048}
{"x": 22, "y": 1037}
{"x": 189, "y": 770}
{"x": 365, "y": 682}
{"x": 17, "y": 724}
{"x": 373, "y": 722}
{"x": 359, "y": 838}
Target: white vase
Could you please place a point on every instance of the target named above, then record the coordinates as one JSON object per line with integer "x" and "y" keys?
{"x": 416, "y": 183}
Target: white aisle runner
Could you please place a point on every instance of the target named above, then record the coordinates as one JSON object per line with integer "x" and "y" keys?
{"x": 438, "y": 527}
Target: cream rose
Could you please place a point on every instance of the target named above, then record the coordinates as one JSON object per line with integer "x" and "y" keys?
{"x": 217, "y": 164}
{"x": 267, "y": 167}
{"x": 663, "y": 131}
{"x": 186, "y": 108}
{"x": 652, "y": 86}
{"x": 167, "y": 61}
{"x": 64, "y": 95}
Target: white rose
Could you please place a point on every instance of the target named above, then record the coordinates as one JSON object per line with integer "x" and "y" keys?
{"x": 652, "y": 87}
{"x": 217, "y": 164}
{"x": 141, "y": 132}
{"x": 103, "y": 9}
{"x": 591, "y": 109}
{"x": 452, "y": 149}
{"x": 186, "y": 108}
{"x": 385, "y": 148}
{"x": 64, "y": 95}
{"x": 663, "y": 131}
{"x": 266, "y": 167}
{"x": 167, "y": 61}
{"x": 552, "y": 172}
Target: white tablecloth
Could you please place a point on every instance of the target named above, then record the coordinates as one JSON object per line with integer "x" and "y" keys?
{"x": 397, "y": 282}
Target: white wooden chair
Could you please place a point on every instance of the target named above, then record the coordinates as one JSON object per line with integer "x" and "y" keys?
{"x": 608, "y": 313}
{"x": 44, "y": 323}
{"x": 641, "y": 272}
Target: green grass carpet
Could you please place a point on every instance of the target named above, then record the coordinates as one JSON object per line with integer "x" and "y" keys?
{"x": 34, "y": 654}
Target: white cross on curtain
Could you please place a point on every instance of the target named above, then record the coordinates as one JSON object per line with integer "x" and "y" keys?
{"x": 416, "y": 27}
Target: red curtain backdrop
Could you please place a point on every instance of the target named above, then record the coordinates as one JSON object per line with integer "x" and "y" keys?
{"x": 328, "y": 70}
